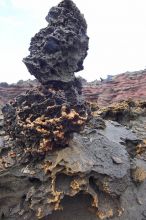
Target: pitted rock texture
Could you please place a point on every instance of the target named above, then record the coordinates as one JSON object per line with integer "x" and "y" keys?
{"x": 129, "y": 113}
{"x": 82, "y": 168}
{"x": 132, "y": 115}
{"x": 94, "y": 178}
{"x": 44, "y": 119}
{"x": 58, "y": 50}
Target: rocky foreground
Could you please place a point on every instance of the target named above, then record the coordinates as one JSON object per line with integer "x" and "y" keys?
{"x": 62, "y": 157}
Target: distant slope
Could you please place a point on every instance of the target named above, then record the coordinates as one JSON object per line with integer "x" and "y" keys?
{"x": 9, "y": 92}
{"x": 111, "y": 90}
{"x": 117, "y": 88}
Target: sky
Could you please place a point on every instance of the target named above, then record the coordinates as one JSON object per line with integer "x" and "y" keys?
{"x": 117, "y": 31}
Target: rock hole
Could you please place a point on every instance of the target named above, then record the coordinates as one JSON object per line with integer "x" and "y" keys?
{"x": 34, "y": 180}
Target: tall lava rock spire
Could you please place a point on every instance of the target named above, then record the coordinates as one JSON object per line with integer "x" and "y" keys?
{"x": 45, "y": 117}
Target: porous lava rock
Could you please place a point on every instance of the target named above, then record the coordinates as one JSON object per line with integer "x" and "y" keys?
{"x": 59, "y": 160}
{"x": 44, "y": 119}
{"x": 46, "y": 116}
{"x": 58, "y": 50}
{"x": 83, "y": 171}
{"x": 94, "y": 178}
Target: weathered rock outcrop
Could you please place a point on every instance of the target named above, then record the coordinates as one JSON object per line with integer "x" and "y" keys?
{"x": 93, "y": 178}
{"x": 114, "y": 90}
{"x": 58, "y": 50}
{"x": 117, "y": 88}
{"x": 47, "y": 116}
{"x": 132, "y": 115}
{"x": 128, "y": 113}
{"x": 8, "y": 92}
{"x": 59, "y": 160}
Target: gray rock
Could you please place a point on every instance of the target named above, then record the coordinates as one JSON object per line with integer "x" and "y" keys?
{"x": 85, "y": 167}
{"x": 122, "y": 135}
{"x": 58, "y": 50}
{"x": 47, "y": 171}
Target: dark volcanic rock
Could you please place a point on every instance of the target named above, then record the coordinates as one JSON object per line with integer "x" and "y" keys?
{"x": 128, "y": 113}
{"x": 58, "y": 160}
{"x": 84, "y": 168}
{"x": 121, "y": 87}
{"x": 58, "y": 50}
{"x": 45, "y": 118}
{"x": 90, "y": 179}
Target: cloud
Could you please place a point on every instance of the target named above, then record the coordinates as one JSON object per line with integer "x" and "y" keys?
{"x": 34, "y": 5}
{"x": 10, "y": 21}
{"x": 12, "y": 68}
{"x": 2, "y": 3}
